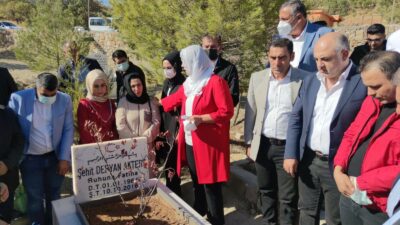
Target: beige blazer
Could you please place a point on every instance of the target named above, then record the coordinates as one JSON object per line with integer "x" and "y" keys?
{"x": 135, "y": 120}
{"x": 256, "y": 104}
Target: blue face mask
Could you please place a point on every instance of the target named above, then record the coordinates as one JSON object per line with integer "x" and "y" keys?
{"x": 47, "y": 100}
{"x": 123, "y": 67}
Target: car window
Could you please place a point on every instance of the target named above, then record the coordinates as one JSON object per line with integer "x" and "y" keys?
{"x": 9, "y": 24}
{"x": 98, "y": 22}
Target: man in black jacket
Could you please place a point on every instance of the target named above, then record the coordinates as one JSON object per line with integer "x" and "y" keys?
{"x": 77, "y": 67}
{"x": 124, "y": 67}
{"x": 376, "y": 41}
{"x": 213, "y": 46}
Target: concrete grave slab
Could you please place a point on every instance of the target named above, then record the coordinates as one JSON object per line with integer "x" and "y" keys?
{"x": 95, "y": 165}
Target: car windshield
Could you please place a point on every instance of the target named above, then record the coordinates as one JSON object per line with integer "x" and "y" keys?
{"x": 9, "y": 24}
{"x": 98, "y": 22}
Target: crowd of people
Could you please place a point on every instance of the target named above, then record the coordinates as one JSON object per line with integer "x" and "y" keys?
{"x": 320, "y": 124}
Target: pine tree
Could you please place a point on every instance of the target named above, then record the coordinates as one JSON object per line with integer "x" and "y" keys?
{"x": 17, "y": 10}
{"x": 39, "y": 45}
{"x": 153, "y": 28}
{"x": 79, "y": 9}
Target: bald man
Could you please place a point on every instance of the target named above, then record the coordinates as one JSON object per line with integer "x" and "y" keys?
{"x": 325, "y": 107}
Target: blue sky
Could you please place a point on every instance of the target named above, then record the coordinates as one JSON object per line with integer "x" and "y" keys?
{"x": 105, "y": 2}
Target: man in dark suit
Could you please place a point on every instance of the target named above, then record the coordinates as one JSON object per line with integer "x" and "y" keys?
{"x": 223, "y": 68}
{"x": 293, "y": 24}
{"x": 326, "y": 106}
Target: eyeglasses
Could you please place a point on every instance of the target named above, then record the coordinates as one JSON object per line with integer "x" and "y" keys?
{"x": 375, "y": 40}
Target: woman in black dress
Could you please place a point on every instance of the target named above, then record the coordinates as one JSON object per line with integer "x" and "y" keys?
{"x": 172, "y": 66}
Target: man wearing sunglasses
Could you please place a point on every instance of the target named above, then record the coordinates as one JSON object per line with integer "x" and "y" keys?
{"x": 376, "y": 41}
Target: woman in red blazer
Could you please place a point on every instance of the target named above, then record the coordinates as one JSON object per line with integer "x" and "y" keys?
{"x": 203, "y": 138}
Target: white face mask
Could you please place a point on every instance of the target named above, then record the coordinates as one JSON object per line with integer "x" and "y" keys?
{"x": 284, "y": 28}
{"x": 123, "y": 67}
{"x": 47, "y": 100}
{"x": 169, "y": 73}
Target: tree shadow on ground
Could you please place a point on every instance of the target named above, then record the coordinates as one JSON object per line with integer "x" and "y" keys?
{"x": 7, "y": 54}
{"x": 14, "y": 66}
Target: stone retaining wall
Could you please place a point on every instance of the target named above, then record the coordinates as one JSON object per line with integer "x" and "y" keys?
{"x": 103, "y": 47}
{"x": 6, "y": 39}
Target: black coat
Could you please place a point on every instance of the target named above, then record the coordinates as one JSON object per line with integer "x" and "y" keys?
{"x": 85, "y": 65}
{"x": 228, "y": 71}
{"x": 7, "y": 85}
{"x": 360, "y": 51}
{"x": 170, "y": 120}
{"x": 121, "y": 92}
{"x": 11, "y": 137}
{"x": 11, "y": 146}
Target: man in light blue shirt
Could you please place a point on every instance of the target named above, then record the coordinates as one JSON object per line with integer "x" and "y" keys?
{"x": 45, "y": 116}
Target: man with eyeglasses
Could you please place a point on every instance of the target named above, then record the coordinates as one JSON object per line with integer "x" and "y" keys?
{"x": 376, "y": 41}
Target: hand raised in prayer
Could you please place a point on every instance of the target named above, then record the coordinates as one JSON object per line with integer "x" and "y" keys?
{"x": 3, "y": 168}
{"x": 196, "y": 119}
{"x": 159, "y": 145}
{"x": 3, "y": 192}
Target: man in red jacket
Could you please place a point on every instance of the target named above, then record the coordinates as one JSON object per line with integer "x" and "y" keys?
{"x": 368, "y": 159}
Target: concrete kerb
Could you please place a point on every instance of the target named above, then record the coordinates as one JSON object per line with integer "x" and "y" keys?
{"x": 243, "y": 183}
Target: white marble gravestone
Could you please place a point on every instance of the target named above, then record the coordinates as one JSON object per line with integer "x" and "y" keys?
{"x": 127, "y": 160}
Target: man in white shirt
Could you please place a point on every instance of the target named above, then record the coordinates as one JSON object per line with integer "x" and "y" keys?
{"x": 45, "y": 116}
{"x": 293, "y": 24}
{"x": 327, "y": 104}
{"x": 393, "y": 42}
{"x": 270, "y": 98}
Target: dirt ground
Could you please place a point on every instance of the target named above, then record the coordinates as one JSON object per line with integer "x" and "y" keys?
{"x": 19, "y": 70}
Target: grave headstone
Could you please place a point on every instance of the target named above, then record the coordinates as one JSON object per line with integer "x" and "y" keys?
{"x": 101, "y": 169}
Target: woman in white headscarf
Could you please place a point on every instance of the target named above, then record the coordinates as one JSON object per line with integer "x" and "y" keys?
{"x": 203, "y": 138}
{"x": 96, "y": 110}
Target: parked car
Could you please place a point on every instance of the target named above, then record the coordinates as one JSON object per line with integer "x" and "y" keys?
{"x": 79, "y": 29}
{"x": 8, "y": 26}
{"x": 100, "y": 24}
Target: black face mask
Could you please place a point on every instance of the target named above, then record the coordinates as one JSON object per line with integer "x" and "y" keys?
{"x": 212, "y": 54}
